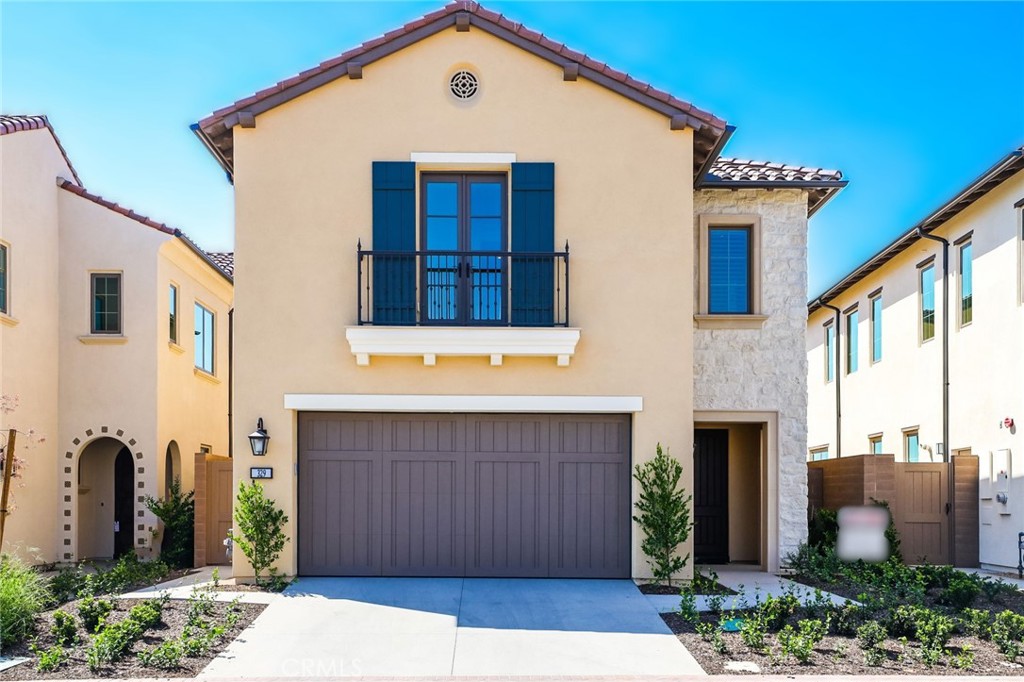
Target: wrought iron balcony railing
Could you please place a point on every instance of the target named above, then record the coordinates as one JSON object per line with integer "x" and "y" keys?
{"x": 464, "y": 288}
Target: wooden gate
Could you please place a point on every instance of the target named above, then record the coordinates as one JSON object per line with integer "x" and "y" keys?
{"x": 213, "y": 487}
{"x": 922, "y": 511}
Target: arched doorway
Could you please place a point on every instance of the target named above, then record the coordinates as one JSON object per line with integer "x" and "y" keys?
{"x": 106, "y": 500}
{"x": 172, "y": 467}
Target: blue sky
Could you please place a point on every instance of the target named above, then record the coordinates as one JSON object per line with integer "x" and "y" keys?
{"x": 910, "y": 100}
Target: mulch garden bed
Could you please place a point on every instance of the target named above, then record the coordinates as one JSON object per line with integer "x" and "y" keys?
{"x": 701, "y": 585}
{"x": 837, "y": 655}
{"x": 1012, "y": 600}
{"x": 173, "y": 620}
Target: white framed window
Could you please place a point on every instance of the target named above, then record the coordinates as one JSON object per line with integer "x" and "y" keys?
{"x": 105, "y": 312}
{"x": 876, "y": 327}
{"x": 204, "y": 342}
{"x": 172, "y": 313}
{"x": 830, "y": 352}
{"x": 965, "y": 283}
{"x": 911, "y": 445}
{"x": 819, "y": 453}
{"x": 875, "y": 444}
{"x": 852, "y": 339}
{"x": 926, "y": 298}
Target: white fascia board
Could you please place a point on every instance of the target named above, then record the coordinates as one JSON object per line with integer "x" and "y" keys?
{"x": 466, "y": 158}
{"x": 463, "y": 341}
{"x": 342, "y": 402}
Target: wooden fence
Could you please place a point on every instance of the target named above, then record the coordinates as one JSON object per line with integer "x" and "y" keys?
{"x": 937, "y": 521}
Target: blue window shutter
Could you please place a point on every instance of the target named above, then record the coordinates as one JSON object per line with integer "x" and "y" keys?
{"x": 533, "y": 229}
{"x": 394, "y": 229}
{"x": 729, "y": 271}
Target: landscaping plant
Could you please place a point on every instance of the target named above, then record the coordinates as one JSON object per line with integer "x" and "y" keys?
{"x": 64, "y": 630}
{"x": 1008, "y": 634}
{"x": 754, "y": 633}
{"x": 800, "y": 643}
{"x": 260, "y": 528}
{"x": 663, "y": 513}
{"x": 976, "y": 623}
{"x": 688, "y": 606}
{"x": 178, "y": 512}
{"x": 166, "y": 656}
{"x": 93, "y": 611}
{"x": 48, "y": 660}
{"x": 23, "y": 594}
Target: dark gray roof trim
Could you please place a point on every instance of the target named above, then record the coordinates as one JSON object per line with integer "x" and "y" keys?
{"x": 1006, "y": 167}
{"x": 204, "y": 256}
{"x": 729, "y": 173}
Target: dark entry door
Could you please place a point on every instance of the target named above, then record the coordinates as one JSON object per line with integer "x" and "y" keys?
{"x": 124, "y": 483}
{"x": 711, "y": 496}
{"x": 464, "y": 223}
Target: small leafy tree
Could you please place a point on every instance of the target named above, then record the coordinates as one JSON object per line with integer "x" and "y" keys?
{"x": 663, "y": 512}
{"x": 260, "y": 525}
{"x": 178, "y": 512}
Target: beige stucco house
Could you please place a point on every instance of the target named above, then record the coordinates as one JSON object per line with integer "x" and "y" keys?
{"x": 878, "y": 342}
{"x": 480, "y": 276}
{"x": 113, "y": 338}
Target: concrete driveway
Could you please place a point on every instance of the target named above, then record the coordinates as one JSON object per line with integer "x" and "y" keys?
{"x": 322, "y": 627}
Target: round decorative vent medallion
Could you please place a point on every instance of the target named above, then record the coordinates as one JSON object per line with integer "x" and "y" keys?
{"x": 463, "y": 85}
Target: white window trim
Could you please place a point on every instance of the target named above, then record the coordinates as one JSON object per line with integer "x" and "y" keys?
{"x": 847, "y": 354}
{"x": 921, "y": 267}
{"x": 464, "y": 158}
{"x": 966, "y": 240}
{"x": 830, "y": 365}
{"x": 177, "y": 314}
{"x": 872, "y": 321}
{"x": 213, "y": 347}
{"x": 350, "y": 402}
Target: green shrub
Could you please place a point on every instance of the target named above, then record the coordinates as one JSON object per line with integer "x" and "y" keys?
{"x": 166, "y": 656}
{"x": 823, "y": 530}
{"x": 754, "y": 632}
{"x": 902, "y": 621}
{"x": 260, "y": 528}
{"x": 800, "y": 643}
{"x": 964, "y": 659}
{"x": 200, "y": 606}
{"x": 663, "y": 513}
{"x": 64, "y": 629}
{"x": 23, "y": 594}
{"x": 775, "y": 610}
{"x": 112, "y": 643}
{"x": 93, "y": 611}
{"x": 67, "y": 584}
{"x": 688, "y": 606}
{"x": 934, "y": 631}
{"x": 128, "y": 573}
{"x": 871, "y": 634}
{"x": 816, "y": 563}
{"x": 847, "y": 618}
{"x": 48, "y": 660}
{"x": 960, "y": 592}
{"x": 1008, "y": 633}
{"x": 178, "y": 512}
{"x": 976, "y": 623}
{"x": 147, "y": 613}
{"x": 874, "y": 657}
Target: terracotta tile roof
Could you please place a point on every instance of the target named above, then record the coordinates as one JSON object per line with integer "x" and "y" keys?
{"x": 216, "y": 129}
{"x": 728, "y": 173}
{"x": 148, "y": 222}
{"x": 1003, "y": 170}
{"x": 225, "y": 260}
{"x": 744, "y": 170}
{"x": 14, "y": 124}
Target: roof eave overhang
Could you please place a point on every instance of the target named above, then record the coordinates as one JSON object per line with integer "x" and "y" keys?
{"x": 975, "y": 190}
{"x": 709, "y": 139}
{"x": 205, "y": 257}
{"x": 820, "y": 192}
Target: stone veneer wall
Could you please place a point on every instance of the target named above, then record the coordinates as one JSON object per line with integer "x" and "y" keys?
{"x": 765, "y": 370}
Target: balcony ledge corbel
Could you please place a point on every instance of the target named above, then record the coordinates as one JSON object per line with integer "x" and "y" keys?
{"x": 430, "y": 343}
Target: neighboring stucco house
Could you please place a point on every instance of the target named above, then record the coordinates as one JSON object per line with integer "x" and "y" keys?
{"x": 877, "y": 342}
{"x": 114, "y": 340}
{"x": 480, "y": 276}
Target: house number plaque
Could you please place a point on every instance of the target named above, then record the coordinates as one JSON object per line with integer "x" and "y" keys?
{"x": 261, "y": 472}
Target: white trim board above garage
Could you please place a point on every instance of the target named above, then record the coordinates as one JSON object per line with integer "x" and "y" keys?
{"x": 352, "y": 402}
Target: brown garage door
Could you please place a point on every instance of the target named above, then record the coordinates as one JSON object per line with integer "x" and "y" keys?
{"x": 464, "y": 495}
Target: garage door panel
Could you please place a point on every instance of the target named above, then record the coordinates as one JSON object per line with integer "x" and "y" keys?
{"x": 476, "y": 495}
{"x": 423, "y": 517}
{"x": 506, "y": 516}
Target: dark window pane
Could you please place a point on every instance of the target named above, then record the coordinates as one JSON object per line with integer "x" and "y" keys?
{"x": 3, "y": 279}
{"x": 106, "y": 311}
{"x": 729, "y": 270}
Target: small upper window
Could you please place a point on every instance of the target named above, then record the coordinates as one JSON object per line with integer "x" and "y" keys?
{"x": 106, "y": 303}
{"x": 729, "y": 258}
{"x": 876, "y": 329}
{"x": 852, "y": 341}
{"x": 172, "y": 313}
{"x": 875, "y": 443}
{"x": 830, "y": 352}
{"x": 818, "y": 454}
{"x": 4, "y": 285}
{"x": 966, "y": 284}
{"x": 927, "y": 276}
{"x": 911, "y": 446}
{"x": 204, "y": 339}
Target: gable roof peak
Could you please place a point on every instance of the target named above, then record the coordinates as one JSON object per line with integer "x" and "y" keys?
{"x": 216, "y": 130}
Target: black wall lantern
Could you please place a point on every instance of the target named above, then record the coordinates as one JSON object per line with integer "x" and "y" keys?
{"x": 258, "y": 439}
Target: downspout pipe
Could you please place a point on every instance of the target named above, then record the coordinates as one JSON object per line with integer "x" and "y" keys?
{"x": 945, "y": 337}
{"x": 838, "y": 378}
